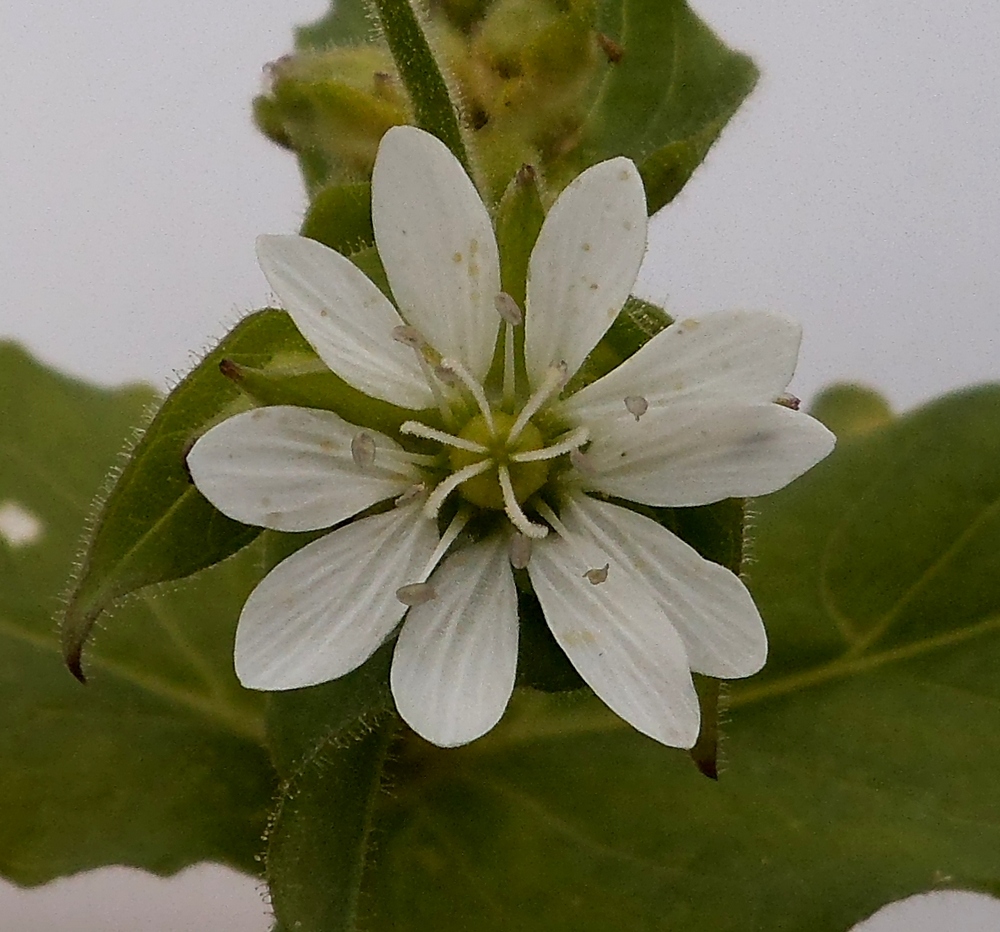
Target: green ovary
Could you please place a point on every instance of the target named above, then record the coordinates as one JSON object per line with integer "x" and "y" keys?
{"x": 526, "y": 478}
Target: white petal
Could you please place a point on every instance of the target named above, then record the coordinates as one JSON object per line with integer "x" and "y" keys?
{"x": 692, "y": 453}
{"x": 708, "y": 605}
{"x": 455, "y": 661}
{"x": 584, "y": 265}
{"x": 348, "y": 321}
{"x": 325, "y": 610}
{"x": 291, "y": 469}
{"x": 437, "y": 245}
{"x": 615, "y": 634}
{"x": 745, "y": 356}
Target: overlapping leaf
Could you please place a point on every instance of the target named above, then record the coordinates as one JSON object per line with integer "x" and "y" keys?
{"x": 159, "y": 761}
{"x": 858, "y": 769}
{"x": 671, "y": 94}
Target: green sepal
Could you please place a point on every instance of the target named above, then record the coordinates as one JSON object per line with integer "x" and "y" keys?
{"x": 637, "y": 323}
{"x": 155, "y": 526}
{"x": 340, "y": 216}
{"x": 705, "y": 752}
{"x": 519, "y": 218}
{"x": 300, "y": 378}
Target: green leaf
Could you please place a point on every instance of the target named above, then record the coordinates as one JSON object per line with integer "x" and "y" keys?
{"x": 857, "y": 769}
{"x": 851, "y": 409}
{"x": 418, "y": 68}
{"x": 347, "y": 22}
{"x": 330, "y": 743}
{"x": 159, "y": 762}
{"x": 668, "y": 98}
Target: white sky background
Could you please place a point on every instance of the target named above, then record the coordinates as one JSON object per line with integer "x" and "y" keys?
{"x": 857, "y": 191}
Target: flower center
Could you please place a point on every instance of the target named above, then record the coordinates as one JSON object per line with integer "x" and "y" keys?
{"x": 497, "y": 460}
{"x": 526, "y": 478}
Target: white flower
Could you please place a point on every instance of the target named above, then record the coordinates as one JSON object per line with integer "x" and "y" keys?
{"x": 689, "y": 419}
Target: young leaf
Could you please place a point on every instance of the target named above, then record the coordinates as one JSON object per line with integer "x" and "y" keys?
{"x": 857, "y": 769}
{"x": 669, "y": 96}
{"x": 159, "y": 763}
{"x": 346, "y": 22}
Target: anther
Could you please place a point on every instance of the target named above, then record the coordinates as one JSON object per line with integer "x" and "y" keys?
{"x": 363, "y": 450}
{"x": 636, "y": 405}
{"x": 413, "y": 492}
{"x": 507, "y": 308}
{"x": 519, "y": 551}
{"x": 408, "y": 336}
{"x": 446, "y": 375}
{"x": 581, "y": 463}
{"x": 416, "y": 593}
{"x": 596, "y": 576}
{"x": 789, "y": 401}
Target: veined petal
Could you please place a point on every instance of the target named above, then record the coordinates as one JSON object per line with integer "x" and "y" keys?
{"x": 291, "y": 469}
{"x": 615, "y": 633}
{"x": 691, "y": 453}
{"x": 584, "y": 265}
{"x": 745, "y": 356}
{"x": 437, "y": 245}
{"x": 348, "y": 321}
{"x": 456, "y": 657}
{"x": 708, "y": 605}
{"x": 327, "y": 608}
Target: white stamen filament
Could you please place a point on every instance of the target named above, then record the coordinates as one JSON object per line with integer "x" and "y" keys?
{"x": 514, "y": 511}
{"x": 446, "y": 486}
{"x": 508, "y": 364}
{"x": 570, "y": 443}
{"x": 439, "y": 398}
{"x": 454, "y": 367}
{"x": 363, "y": 450}
{"x": 549, "y": 515}
{"x": 553, "y": 382}
{"x": 447, "y": 539}
{"x": 417, "y": 459}
{"x": 418, "y": 429}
